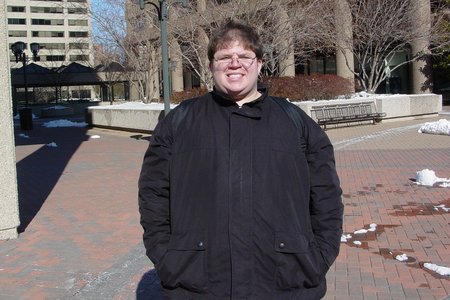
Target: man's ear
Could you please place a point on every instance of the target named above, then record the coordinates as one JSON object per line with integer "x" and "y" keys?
{"x": 260, "y": 64}
{"x": 211, "y": 66}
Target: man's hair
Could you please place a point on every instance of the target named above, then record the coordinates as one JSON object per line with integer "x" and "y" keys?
{"x": 235, "y": 31}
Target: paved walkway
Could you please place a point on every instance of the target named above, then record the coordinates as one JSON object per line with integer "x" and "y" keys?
{"x": 81, "y": 239}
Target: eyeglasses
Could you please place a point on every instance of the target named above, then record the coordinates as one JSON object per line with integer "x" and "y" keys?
{"x": 244, "y": 60}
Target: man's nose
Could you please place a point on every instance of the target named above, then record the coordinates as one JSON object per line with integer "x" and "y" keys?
{"x": 235, "y": 61}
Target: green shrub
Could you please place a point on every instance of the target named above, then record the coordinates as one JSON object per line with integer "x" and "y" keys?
{"x": 308, "y": 87}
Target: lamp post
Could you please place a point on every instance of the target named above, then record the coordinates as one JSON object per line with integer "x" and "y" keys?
{"x": 162, "y": 17}
{"x": 387, "y": 71}
{"x": 18, "y": 49}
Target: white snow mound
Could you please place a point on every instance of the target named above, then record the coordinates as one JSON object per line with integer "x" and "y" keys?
{"x": 444, "y": 271}
{"x": 428, "y": 177}
{"x": 440, "y": 127}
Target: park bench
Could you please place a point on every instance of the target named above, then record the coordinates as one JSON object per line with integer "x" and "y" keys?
{"x": 346, "y": 113}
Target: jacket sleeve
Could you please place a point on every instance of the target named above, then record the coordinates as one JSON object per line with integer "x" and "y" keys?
{"x": 154, "y": 192}
{"x": 326, "y": 208}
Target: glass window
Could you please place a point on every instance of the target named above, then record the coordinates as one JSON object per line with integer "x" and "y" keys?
{"x": 77, "y": 10}
{"x": 56, "y": 22}
{"x": 330, "y": 65}
{"x": 17, "y": 33}
{"x": 316, "y": 65}
{"x": 16, "y": 8}
{"x": 53, "y": 46}
{"x": 47, "y": 33}
{"x": 46, "y": 10}
{"x": 78, "y": 46}
{"x": 78, "y": 22}
{"x": 55, "y": 57}
{"x": 15, "y": 21}
{"x": 79, "y": 58}
{"x": 78, "y": 34}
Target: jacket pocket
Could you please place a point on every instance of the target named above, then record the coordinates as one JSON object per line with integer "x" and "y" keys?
{"x": 184, "y": 263}
{"x": 299, "y": 262}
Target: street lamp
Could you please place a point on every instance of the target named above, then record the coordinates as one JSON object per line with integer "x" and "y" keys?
{"x": 163, "y": 17}
{"x": 387, "y": 71}
{"x": 18, "y": 49}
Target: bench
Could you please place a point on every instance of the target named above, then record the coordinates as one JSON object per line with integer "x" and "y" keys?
{"x": 346, "y": 113}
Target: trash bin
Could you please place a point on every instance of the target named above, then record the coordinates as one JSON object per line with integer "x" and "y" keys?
{"x": 26, "y": 118}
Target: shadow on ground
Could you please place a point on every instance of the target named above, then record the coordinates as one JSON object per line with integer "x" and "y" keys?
{"x": 149, "y": 287}
{"x": 38, "y": 173}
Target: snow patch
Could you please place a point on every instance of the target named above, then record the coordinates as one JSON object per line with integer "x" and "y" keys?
{"x": 428, "y": 178}
{"x": 345, "y": 238}
{"x": 401, "y": 257}
{"x": 63, "y": 123}
{"x": 444, "y": 271}
{"x": 439, "y": 127}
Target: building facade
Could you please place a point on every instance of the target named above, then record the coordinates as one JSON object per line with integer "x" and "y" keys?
{"x": 62, "y": 28}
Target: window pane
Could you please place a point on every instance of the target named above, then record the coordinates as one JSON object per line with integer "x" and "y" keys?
{"x": 17, "y": 33}
{"x": 15, "y": 21}
{"x": 16, "y": 8}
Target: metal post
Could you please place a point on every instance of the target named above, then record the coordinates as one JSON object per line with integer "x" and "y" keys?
{"x": 25, "y": 83}
{"x": 165, "y": 56}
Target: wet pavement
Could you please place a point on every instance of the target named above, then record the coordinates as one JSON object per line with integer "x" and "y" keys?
{"x": 80, "y": 236}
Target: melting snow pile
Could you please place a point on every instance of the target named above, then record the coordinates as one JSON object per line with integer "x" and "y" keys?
{"x": 64, "y": 123}
{"x": 444, "y": 271}
{"x": 440, "y": 127}
{"x": 428, "y": 177}
{"x": 52, "y": 144}
{"x": 443, "y": 207}
{"x": 402, "y": 257}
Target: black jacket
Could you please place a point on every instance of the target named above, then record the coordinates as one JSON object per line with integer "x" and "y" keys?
{"x": 232, "y": 208}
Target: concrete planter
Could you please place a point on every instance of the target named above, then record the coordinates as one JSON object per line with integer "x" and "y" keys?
{"x": 144, "y": 117}
{"x": 134, "y": 117}
{"x": 395, "y": 106}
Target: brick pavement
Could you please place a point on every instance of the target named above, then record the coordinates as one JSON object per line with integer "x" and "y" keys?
{"x": 376, "y": 165}
{"x": 81, "y": 239}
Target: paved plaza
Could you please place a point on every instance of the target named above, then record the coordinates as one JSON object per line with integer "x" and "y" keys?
{"x": 81, "y": 239}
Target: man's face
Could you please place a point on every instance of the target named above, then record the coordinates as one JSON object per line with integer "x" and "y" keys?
{"x": 235, "y": 72}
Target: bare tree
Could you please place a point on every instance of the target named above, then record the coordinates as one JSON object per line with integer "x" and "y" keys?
{"x": 383, "y": 28}
{"x": 111, "y": 67}
{"x": 128, "y": 43}
{"x": 290, "y": 30}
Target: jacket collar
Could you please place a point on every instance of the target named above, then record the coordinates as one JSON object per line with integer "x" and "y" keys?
{"x": 251, "y": 109}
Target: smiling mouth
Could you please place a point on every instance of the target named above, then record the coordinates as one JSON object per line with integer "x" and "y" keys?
{"x": 235, "y": 75}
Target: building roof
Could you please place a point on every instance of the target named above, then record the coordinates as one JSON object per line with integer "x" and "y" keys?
{"x": 70, "y": 75}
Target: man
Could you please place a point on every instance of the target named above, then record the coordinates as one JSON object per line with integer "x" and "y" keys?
{"x": 231, "y": 205}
